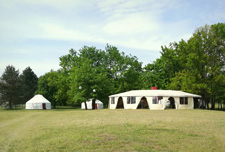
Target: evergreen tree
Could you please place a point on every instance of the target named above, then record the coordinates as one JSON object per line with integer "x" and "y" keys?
{"x": 29, "y": 82}
{"x": 10, "y": 87}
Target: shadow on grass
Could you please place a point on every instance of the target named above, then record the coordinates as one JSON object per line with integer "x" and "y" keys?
{"x": 61, "y": 108}
{"x": 57, "y": 108}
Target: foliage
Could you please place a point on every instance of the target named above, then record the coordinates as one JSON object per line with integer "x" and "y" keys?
{"x": 196, "y": 65}
{"x": 106, "y": 71}
{"x": 10, "y": 86}
{"x": 47, "y": 86}
{"x": 29, "y": 82}
{"x": 202, "y": 63}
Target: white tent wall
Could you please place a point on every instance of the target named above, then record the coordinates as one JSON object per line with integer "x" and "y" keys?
{"x": 113, "y": 106}
{"x": 190, "y": 104}
{"x": 37, "y": 105}
{"x": 100, "y": 106}
{"x": 89, "y": 104}
{"x": 127, "y": 106}
{"x": 138, "y": 100}
{"x": 159, "y": 106}
{"x": 124, "y": 102}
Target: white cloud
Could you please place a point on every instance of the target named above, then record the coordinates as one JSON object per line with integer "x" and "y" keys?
{"x": 131, "y": 24}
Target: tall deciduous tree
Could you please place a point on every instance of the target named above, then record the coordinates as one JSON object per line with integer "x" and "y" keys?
{"x": 108, "y": 71}
{"x": 47, "y": 86}
{"x": 89, "y": 74}
{"x": 124, "y": 70}
{"x": 10, "y": 86}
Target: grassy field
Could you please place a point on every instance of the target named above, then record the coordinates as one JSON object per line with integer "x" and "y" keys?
{"x": 112, "y": 130}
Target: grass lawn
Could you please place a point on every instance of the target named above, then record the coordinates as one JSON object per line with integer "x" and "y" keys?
{"x": 112, "y": 130}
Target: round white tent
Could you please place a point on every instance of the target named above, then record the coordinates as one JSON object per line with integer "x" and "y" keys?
{"x": 98, "y": 104}
{"x": 38, "y": 102}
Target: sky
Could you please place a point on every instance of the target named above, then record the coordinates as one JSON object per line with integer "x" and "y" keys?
{"x": 36, "y": 33}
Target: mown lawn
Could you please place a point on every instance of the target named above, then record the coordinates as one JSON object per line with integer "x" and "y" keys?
{"x": 112, "y": 130}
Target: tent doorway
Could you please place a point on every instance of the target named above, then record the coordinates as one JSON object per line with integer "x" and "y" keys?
{"x": 172, "y": 103}
{"x": 120, "y": 103}
{"x": 143, "y": 104}
{"x": 196, "y": 103}
{"x": 43, "y": 106}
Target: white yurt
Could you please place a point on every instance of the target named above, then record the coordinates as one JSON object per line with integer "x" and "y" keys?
{"x": 98, "y": 104}
{"x": 38, "y": 102}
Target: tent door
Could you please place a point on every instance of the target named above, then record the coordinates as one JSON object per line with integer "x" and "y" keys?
{"x": 43, "y": 106}
{"x": 143, "y": 104}
{"x": 172, "y": 103}
{"x": 96, "y": 106}
{"x": 120, "y": 103}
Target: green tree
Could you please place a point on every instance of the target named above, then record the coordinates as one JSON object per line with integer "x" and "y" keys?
{"x": 90, "y": 74}
{"x": 202, "y": 63}
{"x": 108, "y": 71}
{"x": 154, "y": 75}
{"x": 124, "y": 70}
{"x": 29, "y": 81}
{"x": 10, "y": 86}
{"x": 47, "y": 86}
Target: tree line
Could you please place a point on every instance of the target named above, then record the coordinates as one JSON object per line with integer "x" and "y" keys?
{"x": 196, "y": 66}
{"x": 16, "y": 88}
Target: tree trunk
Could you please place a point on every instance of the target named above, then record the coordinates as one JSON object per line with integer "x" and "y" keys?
{"x": 54, "y": 104}
{"x": 85, "y": 103}
{"x": 204, "y": 102}
{"x": 10, "y": 102}
{"x": 224, "y": 105}
{"x": 219, "y": 105}
{"x": 207, "y": 105}
{"x": 93, "y": 104}
{"x": 213, "y": 103}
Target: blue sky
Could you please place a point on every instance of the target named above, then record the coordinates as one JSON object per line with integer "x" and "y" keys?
{"x": 37, "y": 33}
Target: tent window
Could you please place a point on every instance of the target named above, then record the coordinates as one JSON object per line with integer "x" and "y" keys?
{"x": 131, "y": 100}
{"x": 112, "y": 100}
{"x": 128, "y": 100}
{"x": 184, "y": 100}
{"x": 155, "y": 100}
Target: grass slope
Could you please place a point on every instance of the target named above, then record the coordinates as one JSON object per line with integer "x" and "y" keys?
{"x": 112, "y": 130}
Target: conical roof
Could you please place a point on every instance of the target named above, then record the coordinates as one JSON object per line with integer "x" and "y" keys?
{"x": 38, "y": 99}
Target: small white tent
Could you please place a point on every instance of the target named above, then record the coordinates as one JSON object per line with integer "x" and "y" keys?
{"x": 98, "y": 104}
{"x": 38, "y": 102}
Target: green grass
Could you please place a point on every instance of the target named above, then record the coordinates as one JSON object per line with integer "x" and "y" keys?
{"x": 112, "y": 130}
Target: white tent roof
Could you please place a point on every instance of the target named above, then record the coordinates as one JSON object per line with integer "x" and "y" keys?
{"x": 147, "y": 93}
{"x": 38, "y": 99}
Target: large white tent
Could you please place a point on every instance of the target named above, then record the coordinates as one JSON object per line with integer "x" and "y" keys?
{"x": 152, "y": 99}
{"x": 38, "y": 102}
{"x": 98, "y": 104}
